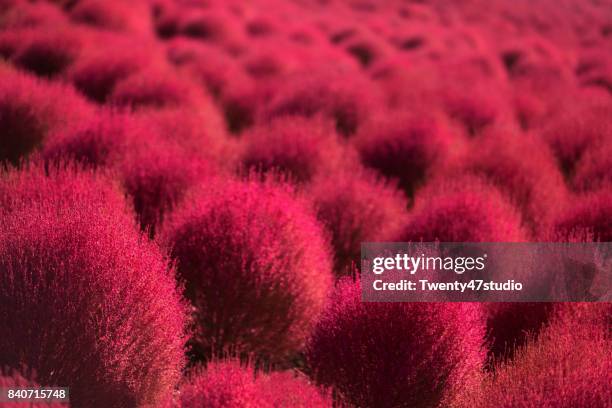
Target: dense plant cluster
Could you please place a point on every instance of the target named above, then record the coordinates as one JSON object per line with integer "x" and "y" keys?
{"x": 185, "y": 186}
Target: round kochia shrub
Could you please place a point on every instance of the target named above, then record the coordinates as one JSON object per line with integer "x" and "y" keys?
{"x": 344, "y": 98}
{"x": 158, "y": 177}
{"x": 97, "y": 74}
{"x": 534, "y": 185}
{"x": 591, "y": 213}
{"x": 227, "y": 384}
{"x": 297, "y": 146}
{"x": 594, "y": 170}
{"x": 46, "y": 53}
{"x": 104, "y": 316}
{"x": 256, "y": 267}
{"x": 357, "y": 206}
{"x": 403, "y": 147}
{"x": 396, "y": 354}
{"x": 567, "y": 366}
{"x": 29, "y": 111}
{"x": 463, "y": 210}
{"x": 97, "y": 142}
{"x": 154, "y": 171}
{"x": 222, "y": 384}
{"x": 581, "y": 126}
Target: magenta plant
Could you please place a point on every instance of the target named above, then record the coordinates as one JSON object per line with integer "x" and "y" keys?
{"x": 228, "y": 383}
{"x": 256, "y": 265}
{"x": 396, "y": 354}
{"x": 591, "y": 213}
{"x": 357, "y": 206}
{"x": 403, "y": 146}
{"x": 346, "y": 100}
{"x": 296, "y": 146}
{"x": 29, "y": 112}
{"x": 568, "y": 365}
{"x": 535, "y": 186}
{"x": 104, "y": 316}
{"x": 463, "y": 210}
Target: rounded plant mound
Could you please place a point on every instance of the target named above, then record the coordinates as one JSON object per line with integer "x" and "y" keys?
{"x": 567, "y": 366}
{"x": 533, "y": 185}
{"x": 591, "y": 213}
{"x": 104, "y": 316}
{"x": 464, "y": 210}
{"x": 404, "y": 147}
{"x": 222, "y": 384}
{"x": 228, "y": 383}
{"x": 396, "y": 354}
{"x": 357, "y": 206}
{"x": 157, "y": 179}
{"x": 347, "y": 100}
{"x": 256, "y": 266}
{"x": 29, "y": 112}
{"x": 299, "y": 147}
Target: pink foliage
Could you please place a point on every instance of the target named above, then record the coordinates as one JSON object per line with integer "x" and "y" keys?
{"x": 592, "y": 213}
{"x": 29, "y": 112}
{"x": 344, "y": 99}
{"x": 104, "y": 314}
{"x": 256, "y": 266}
{"x": 357, "y": 206}
{"x": 534, "y": 186}
{"x": 396, "y": 354}
{"x": 567, "y": 366}
{"x": 404, "y": 147}
{"x": 299, "y": 147}
{"x": 228, "y": 384}
{"x": 464, "y": 210}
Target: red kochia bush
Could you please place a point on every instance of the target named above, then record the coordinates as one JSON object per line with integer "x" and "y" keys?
{"x": 256, "y": 266}
{"x": 98, "y": 142}
{"x": 298, "y": 146}
{"x": 158, "y": 177}
{"x": 15, "y": 380}
{"x": 510, "y": 325}
{"x": 223, "y": 384}
{"x": 104, "y": 316}
{"x": 30, "y": 110}
{"x": 581, "y": 126}
{"x": 46, "y": 52}
{"x": 591, "y": 213}
{"x": 217, "y": 70}
{"x": 345, "y": 98}
{"x": 97, "y": 74}
{"x": 357, "y": 206}
{"x": 227, "y": 383}
{"x": 285, "y": 389}
{"x": 464, "y": 210}
{"x": 567, "y": 366}
{"x": 594, "y": 170}
{"x": 533, "y": 184}
{"x": 396, "y": 354}
{"x": 153, "y": 89}
{"x": 133, "y": 17}
{"x": 154, "y": 171}
{"x": 403, "y": 147}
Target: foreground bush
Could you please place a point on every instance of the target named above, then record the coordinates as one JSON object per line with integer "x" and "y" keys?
{"x": 256, "y": 266}
{"x": 396, "y": 354}
{"x": 103, "y": 314}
